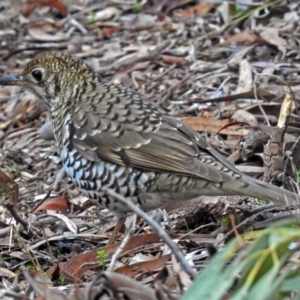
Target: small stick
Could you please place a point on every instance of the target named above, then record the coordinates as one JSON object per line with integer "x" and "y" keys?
{"x": 18, "y": 218}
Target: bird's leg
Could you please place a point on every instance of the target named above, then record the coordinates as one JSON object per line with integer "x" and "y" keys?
{"x": 60, "y": 175}
{"x": 116, "y": 230}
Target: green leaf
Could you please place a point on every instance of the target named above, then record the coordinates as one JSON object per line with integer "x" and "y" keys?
{"x": 92, "y": 17}
{"x": 259, "y": 271}
{"x": 137, "y": 7}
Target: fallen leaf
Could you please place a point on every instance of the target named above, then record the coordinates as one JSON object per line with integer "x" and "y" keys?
{"x": 57, "y": 204}
{"x": 143, "y": 267}
{"x": 184, "y": 277}
{"x": 41, "y": 35}
{"x": 199, "y": 9}
{"x": 244, "y": 37}
{"x": 107, "y": 32}
{"x": 271, "y": 35}
{"x": 245, "y": 77}
{"x": 32, "y": 4}
{"x": 244, "y": 116}
{"x": 107, "y": 14}
{"x": 70, "y": 224}
{"x": 202, "y": 124}
{"x": 9, "y": 187}
{"x": 75, "y": 267}
{"x": 170, "y": 60}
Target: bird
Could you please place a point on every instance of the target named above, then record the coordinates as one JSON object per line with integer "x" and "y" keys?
{"x": 110, "y": 136}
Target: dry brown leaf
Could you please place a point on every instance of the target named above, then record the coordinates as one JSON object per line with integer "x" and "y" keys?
{"x": 245, "y": 37}
{"x": 32, "y": 4}
{"x": 271, "y": 35}
{"x": 199, "y": 9}
{"x": 107, "y": 32}
{"x": 143, "y": 267}
{"x": 9, "y": 187}
{"x": 57, "y": 204}
{"x": 245, "y": 117}
{"x": 170, "y": 60}
{"x": 202, "y": 124}
{"x": 75, "y": 267}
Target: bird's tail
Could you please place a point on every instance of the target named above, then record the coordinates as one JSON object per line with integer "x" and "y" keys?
{"x": 262, "y": 190}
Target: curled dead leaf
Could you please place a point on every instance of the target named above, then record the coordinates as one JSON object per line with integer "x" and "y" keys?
{"x": 33, "y": 4}
{"x": 107, "y": 32}
{"x": 170, "y": 60}
{"x": 57, "y": 204}
{"x": 199, "y": 9}
{"x": 9, "y": 187}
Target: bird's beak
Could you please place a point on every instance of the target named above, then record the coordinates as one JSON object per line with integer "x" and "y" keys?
{"x": 12, "y": 79}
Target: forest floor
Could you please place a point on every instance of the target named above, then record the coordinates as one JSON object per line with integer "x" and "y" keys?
{"x": 224, "y": 69}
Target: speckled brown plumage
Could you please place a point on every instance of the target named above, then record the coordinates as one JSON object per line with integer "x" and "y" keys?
{"x": 109, "y": 135}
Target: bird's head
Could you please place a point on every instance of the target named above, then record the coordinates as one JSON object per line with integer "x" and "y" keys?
{"x": 52, "y": 74}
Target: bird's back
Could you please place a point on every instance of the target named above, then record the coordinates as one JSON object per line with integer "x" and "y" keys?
{"x": 111, "y": 136}
{"x": 117, "y": 138}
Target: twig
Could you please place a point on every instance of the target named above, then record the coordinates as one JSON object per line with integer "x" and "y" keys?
{"x": 150, "y": 88}
{"x": 46, "y": 221}
{"x": 234, "y": 228}
{"x": 156, "y": 228}
{"x": 44, "y": 47}
{"x": 259, "y": 209}
{"x": 258, "y": 103}
{"x": 28, "y": 251}
{"x": 43, "y": 200}
{"x": 196, "y": 229}
{"x": 151, "y": 55}
{"x": 7, "y": 294}
{"x": 18, "y": 218}
{"x": 70, "y": 236}
{"x": 174, "y": 87}
{"x": 245, "y": 222}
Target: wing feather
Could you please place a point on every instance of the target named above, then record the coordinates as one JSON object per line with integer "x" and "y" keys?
{"x": 135, "y": 132}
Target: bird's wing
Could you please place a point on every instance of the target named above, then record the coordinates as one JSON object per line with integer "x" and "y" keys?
{"x": 119, "y": 125}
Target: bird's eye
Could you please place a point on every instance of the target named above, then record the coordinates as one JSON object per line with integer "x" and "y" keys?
{"x": 37, "y": 75}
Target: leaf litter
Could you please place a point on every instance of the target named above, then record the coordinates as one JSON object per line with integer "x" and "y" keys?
{"x": 223, "y": 70}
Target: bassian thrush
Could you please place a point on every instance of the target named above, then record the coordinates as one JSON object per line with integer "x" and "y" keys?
{"x": 109, "y": 135}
